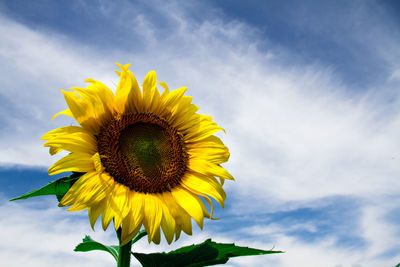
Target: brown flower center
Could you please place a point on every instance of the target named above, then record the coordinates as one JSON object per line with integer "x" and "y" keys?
{"x": 143, "y": 152}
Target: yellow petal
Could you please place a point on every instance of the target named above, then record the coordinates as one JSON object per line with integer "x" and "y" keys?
{"x": 68, "y": 130}
{"x": 170, "y": 100}
{"x": 149, "y": 86}
{"x": 134, "y": 218}
{"x": 54, "y": 150}
{"x": 72, "y": 144}
{"x": 167, "y": 221}
{"x": 166, "y": 89}
{"x": 94, "y": 213}
{"x": 128, "y": 94}
{"x": 119, "y": 203}
{"x": 104, "y": 93}
{"x": 209, "y": 142}
{"x": 75, "y": 189}
{"x": 94, "y": 190}
{"x": 78, "y": 207}
{"x": 107, "y": 206}
{"x": 208, "y": 169}
{"x": 153, "y": 215}
{"x": 97, "y": 163}
{"x": 107, "y": 214}
{"x": 157, "y": 237}
{"x": 66, "y": 112}
{"x": 83, "y": 111}
{"x": 211, "y": 155}
{"x": 178, "y": 231}
{"x": 88, "y": 193}
{"x": 182, "y": 218}
{"x": 74, "y": 162}
{"x": 185, "y": 117}
{"x": 190, "y": 203}
{"x": 201, "y": 131}
{"x": 205, "y": 185}
{"x": 127, "y": 237}
{"x": 156, "y": 106}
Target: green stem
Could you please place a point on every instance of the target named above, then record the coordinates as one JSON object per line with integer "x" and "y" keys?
{"x": 124, "y": 256}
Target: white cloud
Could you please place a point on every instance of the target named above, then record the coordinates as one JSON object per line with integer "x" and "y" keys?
{"x": 296, "y": 132}
{"x": 34, "y": 65}
{"x": 37, "y": 233}
{"x": 303, "y": 142}
{"x": 379, "y": 235}
{"x": 294, "y": 124}
{"x": 34, "y": 234}
{"x": 377, "y": 231}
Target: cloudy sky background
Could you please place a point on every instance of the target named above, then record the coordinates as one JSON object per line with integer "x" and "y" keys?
{"x": 308, "y": 92}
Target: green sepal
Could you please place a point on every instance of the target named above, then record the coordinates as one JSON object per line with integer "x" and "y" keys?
{"x": 88, "y": 244}
{"x": 57, "y": 188}
{"x": 204, "y": 254}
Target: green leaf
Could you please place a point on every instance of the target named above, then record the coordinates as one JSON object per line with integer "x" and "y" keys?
{"x": 57, "y": 188}
{"x": 88, "y": 244}
{"x": 139, "y": 236}
{"x": 204, "y": 254}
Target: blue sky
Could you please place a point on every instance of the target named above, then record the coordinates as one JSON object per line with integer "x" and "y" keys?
{"x": 308, "y": 92}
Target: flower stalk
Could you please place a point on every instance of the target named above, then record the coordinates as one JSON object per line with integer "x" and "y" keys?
{"x": 124, "y": 255}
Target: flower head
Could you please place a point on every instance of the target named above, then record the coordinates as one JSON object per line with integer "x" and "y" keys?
{"x": 147, "y": 157}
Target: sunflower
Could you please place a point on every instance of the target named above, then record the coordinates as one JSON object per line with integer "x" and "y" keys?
{"x": 148, "y": 158}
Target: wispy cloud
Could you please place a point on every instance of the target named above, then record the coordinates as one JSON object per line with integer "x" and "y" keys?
{"x": 297, "y": 132}
{"x": 45, "y": 236}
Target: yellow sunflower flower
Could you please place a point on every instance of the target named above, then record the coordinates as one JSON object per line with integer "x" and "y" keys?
{"x": 147, "y": 157}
